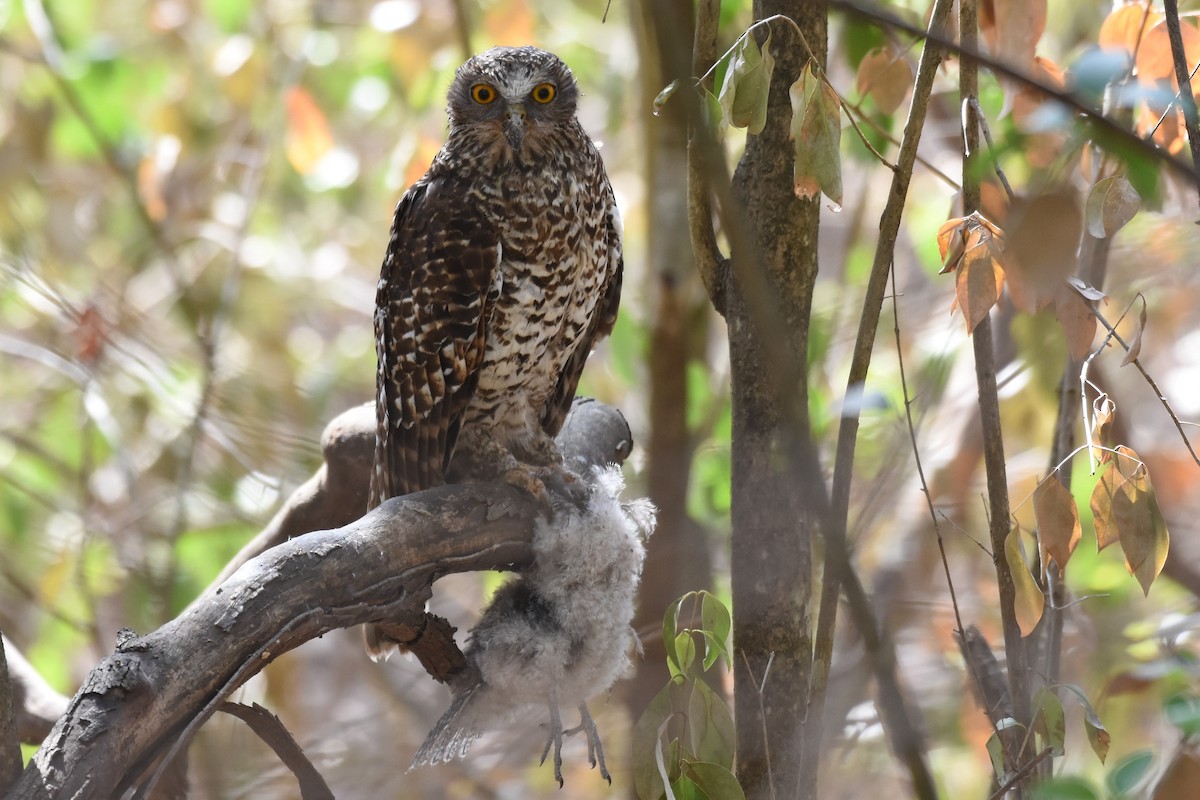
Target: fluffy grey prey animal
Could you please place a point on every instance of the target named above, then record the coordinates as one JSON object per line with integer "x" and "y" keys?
{"x": 556, "y": 635}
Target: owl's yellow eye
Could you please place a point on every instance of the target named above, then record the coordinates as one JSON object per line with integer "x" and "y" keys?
{"x": 543, "y": 92}
{"x": 483, "y": 93}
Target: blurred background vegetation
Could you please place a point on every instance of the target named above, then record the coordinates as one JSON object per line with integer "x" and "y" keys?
{"x": 194, "y": 199}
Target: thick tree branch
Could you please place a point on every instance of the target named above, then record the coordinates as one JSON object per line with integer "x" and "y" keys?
{"x": 36, "y": 705}
{"x": 138, "y": 701}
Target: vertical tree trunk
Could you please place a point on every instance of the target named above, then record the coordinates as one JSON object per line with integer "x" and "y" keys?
{"x": 772, "y": 515}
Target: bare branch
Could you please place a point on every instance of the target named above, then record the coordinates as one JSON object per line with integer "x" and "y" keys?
{"x": 271, "y": 730}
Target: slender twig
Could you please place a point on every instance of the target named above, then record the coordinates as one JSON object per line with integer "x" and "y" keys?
{"x": 1020, "y": 774}
{"x": 879, "y": 129}
{"x": 912, "y": 435}
{"x": 1187, "y": 101}
{"x": 989, "y": 402}
{"x": 1149, "y": 380}
{"x": 1170, "y": 106}
{"x": 987, "y": 137}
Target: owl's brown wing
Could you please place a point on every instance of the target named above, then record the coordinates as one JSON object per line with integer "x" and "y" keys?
{"x": 435, "y": 293}
{"x": 600, "y": 325}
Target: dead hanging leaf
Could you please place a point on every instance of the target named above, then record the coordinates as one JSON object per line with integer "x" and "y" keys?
{"x": 1142, "y": 533}
{"x": 1154, "y": 60}
{"x": 308, "y": 136}
{"x": 1030, "y": 602}
{"x": 1043, "y": 235}
{"x": 1103, "y": 410}
{"x": 1075, "y": 316}
{"x": 1111, "y": 203}
{"x": 1135, "y": 344}
{"x": 747, "y": 83}
{"x": 1101, "y": 503}
{"x": 1057, "y": 519}
{"x": 1086, "y": 290}
{"x": 816, "y": 131}
{"x": 978, "y": 285}
{"x": 1121, "y": 28}
{"x": 958, "y": 235}
{"x": 885, "y": 77}
{"x": 1129, "y": 463}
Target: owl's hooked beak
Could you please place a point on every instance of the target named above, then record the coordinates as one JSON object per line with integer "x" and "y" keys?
{"x": 514, "y": 126}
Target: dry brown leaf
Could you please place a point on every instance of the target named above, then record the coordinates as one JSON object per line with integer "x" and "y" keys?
{"x": 1182, "y": 775}
{"x": 308, "y": 136}
{"x": 1030, "y": 602}
{"x": 1043, "y": 236}
{"x": 1077, "y": 320}
{"x": 1111, "y": 203}
{"x": 1135, "y": 344}
{"x": 979, "y": 283}
{"x": 1103, "y": 411}
{"x": 885, "y": 77}
{"x": 1057, "y": 519}
{"x": 1143, "y": 541}
{"x": 1120, "y": 29}
{"x": 1101, "y": 504}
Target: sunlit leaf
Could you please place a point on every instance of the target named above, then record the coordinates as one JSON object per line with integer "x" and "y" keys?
{"x": 1049, "y": 720}
{"x": 747, "y": 83}
{"x": 1111, "y": 203}
{"x": 308, "y": 136}
{"x": 1135, "y": 344}
{"x": 1142, "y": 534}
{"x": 1057, "y": 519}
{"x": 816, "y": 132}
{"x": 885, "y": 77}
{"x": 717, "y": 626}
{"x": 1123, "y": 26}
{"x": 1043, "y": 236}
{"x": 1154, "y": 59}
{"x": 647, "y": 740}
{"x": 1103, "y": 413}
{"x": 1030, "y": 602}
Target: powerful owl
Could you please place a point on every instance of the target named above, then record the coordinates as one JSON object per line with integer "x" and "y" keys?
{"x": 502, "y": 272}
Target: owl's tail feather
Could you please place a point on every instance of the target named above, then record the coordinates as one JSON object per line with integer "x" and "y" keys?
{"x": 455, "y": 732}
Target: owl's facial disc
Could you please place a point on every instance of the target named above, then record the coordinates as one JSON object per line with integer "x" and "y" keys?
{"x": 514, "y": 125}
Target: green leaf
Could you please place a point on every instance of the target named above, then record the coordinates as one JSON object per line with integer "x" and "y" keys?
{"x": 1048, "y": 720}
{"x": 1129, "y": 773}
{"x": 1067, "y": 788}
{"x": 670, "y": 632}
{"x": 686, "y": 789}
{"x": 685, "y": 649}
{"x": 717, "y": 624}
{"x": 711, "y": 726}
{"x": 714, "y": 780}
{"x": 747, "y": 83}
{"x": 647, "y": 742}
{"x": 1183, "y": 711}
{"x": 816, "y": 132}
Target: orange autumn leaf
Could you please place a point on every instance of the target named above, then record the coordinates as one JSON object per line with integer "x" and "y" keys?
{"x": 978, "y": 285}
{"x": 308, "y": 136}
{"x": 1154, "y": 59}
{"x": 1120, "y": 29}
